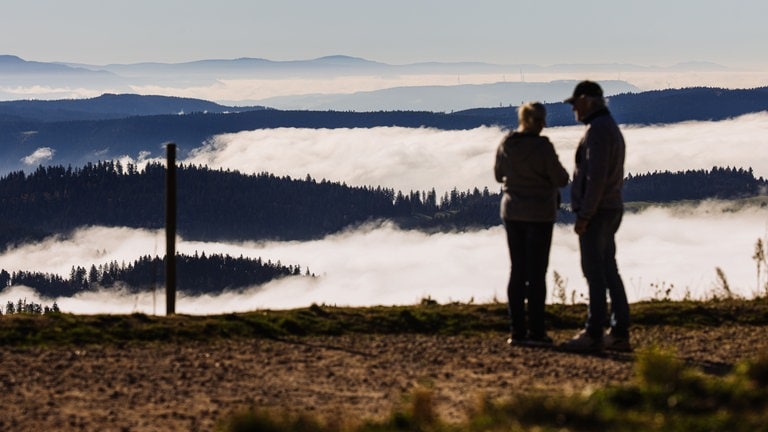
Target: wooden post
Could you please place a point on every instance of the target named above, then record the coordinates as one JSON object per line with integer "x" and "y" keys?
{"x": 170, "y": 231}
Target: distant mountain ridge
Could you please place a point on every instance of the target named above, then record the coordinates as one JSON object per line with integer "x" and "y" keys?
{"x": 439, "y": 98}
{"x": 110, "y": 106}
{"x": 27, "y": 128}
{"x": 244, "y": 65}
{"x": 356, "y": 64}
{"x": 122, "y": 76}
{"x": 12, "y": 65}
{"x": 15, "y": 71}
{"x": 655, "y": 107}
{"x": 373, "y": 85}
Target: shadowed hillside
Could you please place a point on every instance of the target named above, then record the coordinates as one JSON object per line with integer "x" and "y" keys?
{"x": 111, "y": 126}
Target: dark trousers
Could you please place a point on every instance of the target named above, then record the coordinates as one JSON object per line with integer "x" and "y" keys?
{"x": 598, "y": 263}
{"x": 529, "y": 244}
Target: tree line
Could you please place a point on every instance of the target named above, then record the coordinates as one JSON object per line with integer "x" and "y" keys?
{"x": 666, "y": 186}
{"x": 228, "y": 205}
{"x": 29, "y": 308}
{"x": 212, "y": 204}
{"x": 197, "y": 274}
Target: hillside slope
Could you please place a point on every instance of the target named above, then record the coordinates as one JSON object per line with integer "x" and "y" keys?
{"x": 77, "y": 132}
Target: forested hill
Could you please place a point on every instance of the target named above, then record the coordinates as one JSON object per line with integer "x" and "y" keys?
{"x": 108, "y": 106}
{"x": 652, "y": 107}
{"x": 111, "y": 126}
{"x": 226, "y": 205}
{"x": 197, "y": 274}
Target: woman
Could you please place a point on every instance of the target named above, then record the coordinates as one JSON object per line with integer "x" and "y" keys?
{"x": 531, "y": 173}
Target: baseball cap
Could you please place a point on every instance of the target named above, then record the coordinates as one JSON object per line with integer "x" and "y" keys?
{"x": 585, "y": 88}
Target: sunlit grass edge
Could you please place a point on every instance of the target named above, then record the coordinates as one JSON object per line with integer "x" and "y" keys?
{"x": 428, "y": 317}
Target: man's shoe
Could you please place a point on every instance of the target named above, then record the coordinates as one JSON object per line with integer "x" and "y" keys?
{"x": 583, "y": 343}
{"x": 615, "y": 343}
{"x": 539, "y": 341}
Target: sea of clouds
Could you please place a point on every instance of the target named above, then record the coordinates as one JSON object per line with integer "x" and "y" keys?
{"x": 671, "y": 251}
{"x": 420, "y": 159}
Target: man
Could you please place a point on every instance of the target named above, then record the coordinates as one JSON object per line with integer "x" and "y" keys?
{"x": 597, "y": 201}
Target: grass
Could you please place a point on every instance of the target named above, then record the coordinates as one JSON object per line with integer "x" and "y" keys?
{"x": 666, "y": 394}
{"x": 320, "y": 320}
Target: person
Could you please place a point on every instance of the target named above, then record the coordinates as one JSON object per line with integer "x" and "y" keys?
{"x": 596, "y": 200}
{"x": 531, "y": 173}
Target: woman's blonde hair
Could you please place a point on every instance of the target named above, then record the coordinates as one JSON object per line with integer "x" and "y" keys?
{"x": 532, "y": 116}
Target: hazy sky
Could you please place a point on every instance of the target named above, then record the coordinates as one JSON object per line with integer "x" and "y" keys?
{"x": 653, "y": 32}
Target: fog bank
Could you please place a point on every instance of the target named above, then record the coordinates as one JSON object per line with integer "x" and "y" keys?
{"x": 255, "y": 89}
{"x": 251, "y": 91}
{"x": 420, "y": 159}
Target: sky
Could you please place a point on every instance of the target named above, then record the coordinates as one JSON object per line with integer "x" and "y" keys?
{"x": 653, "y": 32}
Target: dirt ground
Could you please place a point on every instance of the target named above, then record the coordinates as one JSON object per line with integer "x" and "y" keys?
{"x": 189, "y": 386}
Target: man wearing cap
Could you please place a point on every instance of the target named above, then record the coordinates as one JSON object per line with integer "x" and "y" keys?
{"x": 596, "y": 199}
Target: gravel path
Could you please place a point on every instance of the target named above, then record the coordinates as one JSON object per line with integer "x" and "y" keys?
{"x": 188, "y": 386}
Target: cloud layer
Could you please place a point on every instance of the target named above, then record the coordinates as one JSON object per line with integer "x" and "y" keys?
{"x": 249, "y": 91}
{"x": 420, "y": 159}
